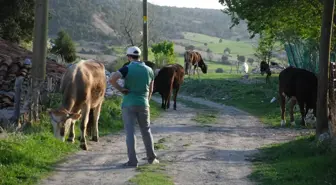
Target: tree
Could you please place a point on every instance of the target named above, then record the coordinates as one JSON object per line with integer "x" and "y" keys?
{"x": 265, "y": 47}
{"x": 163, "y": 53}
{"x": 286, "y": 18}
{"x": 220, "y": 40}
{"x": 210, "y": 54}
{"x": 17, "y": 20}
{"x": 227, "y": 51}
{"x": 190, "y": 47}
{"x": 65, "y": 47}
{"x": 322, "y": 92}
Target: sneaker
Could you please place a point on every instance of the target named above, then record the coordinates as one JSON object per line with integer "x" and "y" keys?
{"x": 155, "y": 161}
{"x": 129, "y": 165}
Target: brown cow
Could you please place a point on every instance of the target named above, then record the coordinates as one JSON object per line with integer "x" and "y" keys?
{"x": 169, "y": 78}
{"x": 83, "y": 88}
{"x": 193, "y": 58}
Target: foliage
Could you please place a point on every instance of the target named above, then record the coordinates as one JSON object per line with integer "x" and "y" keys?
{"x": 227, "y": 51}
{"x": 241, "y": 58}
{"x": 17, "y": 20}
{"x": 250, "y": 60}
{"x": 65, "y": 47}
{"x": 287, "y": 20}
{"x": 265, "y": 47}
{"x": 302, "y": 161}
{"x": 163, "y": 51}
{"x": 190, "y": 47}
{"x": 219, "y": 70}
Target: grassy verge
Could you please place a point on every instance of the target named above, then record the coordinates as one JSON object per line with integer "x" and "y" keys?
{"x": 301, "y": 161}
{"x": 152, "y": 175}
{"x": 253, "y": 97}
{"x": 28, "y": 156}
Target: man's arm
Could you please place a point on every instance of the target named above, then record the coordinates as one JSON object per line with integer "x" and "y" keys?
{"x": 113, "y": 80}
{"x": 151, "y": 85}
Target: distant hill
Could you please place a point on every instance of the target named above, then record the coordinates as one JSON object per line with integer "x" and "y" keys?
{"x": 99, "y": 20}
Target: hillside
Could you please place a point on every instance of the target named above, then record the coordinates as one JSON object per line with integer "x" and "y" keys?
{"x": 98, "y": 20}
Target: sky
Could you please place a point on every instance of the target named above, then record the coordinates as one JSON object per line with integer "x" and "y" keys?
{"x": 212, "y": 4}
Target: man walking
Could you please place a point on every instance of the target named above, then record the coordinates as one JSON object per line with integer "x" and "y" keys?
{"x": 138, "y": 88}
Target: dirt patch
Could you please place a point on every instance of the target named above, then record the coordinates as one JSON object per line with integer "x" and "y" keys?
{"x": 216, "y": 154}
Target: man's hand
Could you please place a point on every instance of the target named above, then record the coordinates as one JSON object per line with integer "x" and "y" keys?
{"x": 113, "y": 80}
{"x": 124, "y": 91}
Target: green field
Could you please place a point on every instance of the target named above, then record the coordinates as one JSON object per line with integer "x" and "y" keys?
{"x": 237, "y": 48}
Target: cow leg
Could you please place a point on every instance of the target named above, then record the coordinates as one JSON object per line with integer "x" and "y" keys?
{"x": 163, "y": 101}
{"x": 84, "y": 121}
{"x": 96, "y": 114}
{"x": 175, "y": 96}
{"x": 71, "y": 137}
{"x": 283, "y": 108}
{"x": 291, "y": 111}
{"x": 301, "y": 105}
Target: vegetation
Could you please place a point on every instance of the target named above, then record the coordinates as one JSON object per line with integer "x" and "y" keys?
{"x": 152, "y": 175}
{"x": 17, "y": 20}
{"x": 205, "y": 118}
{"x": 105, "y": 20}
{"x": 28, "y": 156}
{"x": 302, "y": 161}
{"x": 64, "y": 47}
{"x": 163, "y": 53}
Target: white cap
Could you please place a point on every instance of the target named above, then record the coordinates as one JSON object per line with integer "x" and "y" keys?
{"x": 135, "y": 51}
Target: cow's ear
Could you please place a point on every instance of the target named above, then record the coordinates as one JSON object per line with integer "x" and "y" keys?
{"x": 74, "y": 116}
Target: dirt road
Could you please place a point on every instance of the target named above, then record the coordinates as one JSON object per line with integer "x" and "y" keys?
{"x": 197, "y": 154}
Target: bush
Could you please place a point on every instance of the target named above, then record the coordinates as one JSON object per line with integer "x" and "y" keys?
{"x": 219, "y": 70}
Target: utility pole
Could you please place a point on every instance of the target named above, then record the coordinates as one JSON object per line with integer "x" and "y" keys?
{"x": 322, "y": 91}
{"x": 145, "y": 31}
{"x": 39, "y": 53}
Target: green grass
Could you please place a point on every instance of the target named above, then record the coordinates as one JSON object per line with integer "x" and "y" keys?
{"x": 241, "y": 47}
{"x": 29, "y": 156}
{"x": 205, "y": 117}
{"x": 160, "y": 144}
{"x": 301, "y": 161}
{"x": 152, "y": 175}
{"x": 226, "y": 88}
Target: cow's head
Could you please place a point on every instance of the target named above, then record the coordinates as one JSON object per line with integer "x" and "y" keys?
{"x": 203, "y": 66}
{"x": 61, "y": 120}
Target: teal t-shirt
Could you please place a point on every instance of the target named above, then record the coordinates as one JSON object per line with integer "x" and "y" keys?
{"x": 137, "y": 78}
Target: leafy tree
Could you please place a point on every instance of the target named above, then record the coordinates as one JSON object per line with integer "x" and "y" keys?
{"x": 265, "y": 47}
{"x": 220, "y": 40}
{"x": 250, "y": 60}
{"x": 17, "y": 20}
{"x": 65, "y": 47}
{"x": 241, "y": 58}
{"x": 190, "y": 47}
{"x": 210, "y": 54}
{"x": 287, "y": 19}
{"x": 163, "y": 53}
{"x": 227, "y": 51}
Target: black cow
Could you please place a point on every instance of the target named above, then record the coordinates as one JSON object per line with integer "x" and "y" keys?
{"x": 265, "y": 68}
{"x": 301, "y": 86}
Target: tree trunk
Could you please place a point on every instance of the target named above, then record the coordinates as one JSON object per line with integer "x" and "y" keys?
{"x": 322, "y": 92}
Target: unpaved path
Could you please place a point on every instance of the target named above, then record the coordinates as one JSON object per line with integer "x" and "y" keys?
{"x": 196, "y": 155}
